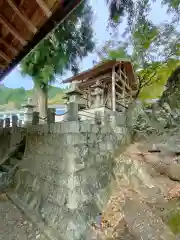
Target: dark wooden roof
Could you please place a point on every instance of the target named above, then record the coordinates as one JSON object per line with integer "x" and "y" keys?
{"x": 100, "y": 69}
{"x": 24, "y": 23}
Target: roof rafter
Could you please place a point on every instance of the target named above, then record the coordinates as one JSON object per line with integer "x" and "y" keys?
{"x": 10, "y": 47}
{"x": 12, "y": 30}
{"x": 22, "y": 16}
{"x": 44, "y": 8}
{"x": 5, "y": 57}
{"x": 2, "y": 66}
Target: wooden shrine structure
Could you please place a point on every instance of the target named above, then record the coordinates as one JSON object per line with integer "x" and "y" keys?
{"x": 111, "y": 84}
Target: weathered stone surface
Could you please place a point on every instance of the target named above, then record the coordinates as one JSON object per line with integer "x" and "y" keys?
{"x": 144, "y": 224}
{"x": 65, "y": 174}
{"x": 6, "y": 180}
{"x": 14, "y": 225}
{"x": 173, "y": 171}
{"x": 67, "y": 170}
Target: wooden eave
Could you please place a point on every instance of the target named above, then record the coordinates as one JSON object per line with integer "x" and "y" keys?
{"x": 24, "y": 23}
{"x": 102, "y": 71}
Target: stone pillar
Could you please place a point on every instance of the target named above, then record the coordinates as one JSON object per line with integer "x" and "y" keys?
{"x": 35, "y": 119}
{"x": 97, "y": 94}
{"x": 7, "y": 122}
{"x": 50, "y": 115}
{"x": 1, "y": 123}
{"x": 113, "y": 119}
{"x": 74, "y": 94}
{"x": 107, "y": 119}
{"x": 98, "y": 119}
{"x": 20, "y": 123}
{"x": 14, "y": 121}
{"x": 28, "y": 114}
{"x": 72, "y": 113}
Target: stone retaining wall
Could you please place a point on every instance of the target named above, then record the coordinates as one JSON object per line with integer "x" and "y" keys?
{"x": 66, "y": 173}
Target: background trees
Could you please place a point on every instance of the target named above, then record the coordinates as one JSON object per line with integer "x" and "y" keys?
{"x": 59, "y": 52}
{"x": 154, "y": 49}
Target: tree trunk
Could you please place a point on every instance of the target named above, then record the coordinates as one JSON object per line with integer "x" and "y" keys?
{"x": 42, "y": 101}
{"x": 35, "y": 98}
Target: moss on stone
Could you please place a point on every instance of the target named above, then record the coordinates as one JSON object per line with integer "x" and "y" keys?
{"x": 174, "y": 222}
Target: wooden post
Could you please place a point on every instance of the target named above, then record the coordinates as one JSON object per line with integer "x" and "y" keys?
{"x": 113, "y": 90}
{"x": 88, "y": 97}
{"x": 123, "y": 86}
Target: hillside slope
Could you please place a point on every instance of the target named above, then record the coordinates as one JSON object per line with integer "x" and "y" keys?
{"x": 13, "y": 98}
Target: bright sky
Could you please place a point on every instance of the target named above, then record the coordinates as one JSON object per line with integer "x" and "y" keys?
{"x": 158, "y": 14}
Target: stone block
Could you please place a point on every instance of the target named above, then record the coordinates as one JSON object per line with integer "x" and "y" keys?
{"x": 35, "y": 118}
{"x": 55, "y": 128}
{"x": 102, "y": 147}
{"x": 14, "y": 121}
{"x": 106, "y": 129}
{"x": 50, "y": 115}
{"x": 7, "y": 122}
{"x": 70, "y": 127}
{"x": 85, "y": 126}
{"x": 95, "y": 128}
{"x": 76, "y": 138}
{"x": 120, "y": 119}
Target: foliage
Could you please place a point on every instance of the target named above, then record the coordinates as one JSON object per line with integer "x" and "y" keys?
{"x": 13, "y": 98}
{"x": 150, "y": 42}
{"x": 118, "y": 9}
{"x": 113, "y": 54}
{"x": 153, "y": 49}
{"x": 154, "y": 77}
{"x": 61, "y": 50}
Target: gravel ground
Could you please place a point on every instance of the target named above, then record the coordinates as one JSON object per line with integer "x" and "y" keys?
{"x": 14, "y": 225}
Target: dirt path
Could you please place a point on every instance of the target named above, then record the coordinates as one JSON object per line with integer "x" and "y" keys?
{"x": 149, "y": 181}
{"x": 14, "y": 225}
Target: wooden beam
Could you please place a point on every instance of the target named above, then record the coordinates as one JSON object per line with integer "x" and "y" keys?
{"x": 5, "y": 57}
{"x": 22, "y": 16}
{"x": 113, "y": 90}
{"x": 121, "y": 95}
{"x": 12, "y": 30}
{"x": 9, "y": 46}
{"x": 2, "y": 66}
{"x": 118, "y": 94}
{"x": 122, "y": 104}
{"x": 122, "y": 81}
{"x": 89, "y": 82}
{"x": 44, "y": 8}
{"x": 117, "y": 85}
